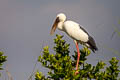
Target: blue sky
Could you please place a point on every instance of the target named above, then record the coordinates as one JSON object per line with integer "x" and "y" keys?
{"x": 25, "y": 26}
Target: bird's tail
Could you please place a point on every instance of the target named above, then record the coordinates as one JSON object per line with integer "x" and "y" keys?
{"x": 93, "y": 48}
{"x": 92, "y": 44}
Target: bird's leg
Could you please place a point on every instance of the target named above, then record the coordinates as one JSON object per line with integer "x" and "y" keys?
{"x": 78, "y": 57}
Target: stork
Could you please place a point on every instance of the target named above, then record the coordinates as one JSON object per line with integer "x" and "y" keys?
{"x": 76, "y": 32}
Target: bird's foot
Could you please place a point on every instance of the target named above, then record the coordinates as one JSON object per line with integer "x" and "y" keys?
{"x": 76, "y": 72}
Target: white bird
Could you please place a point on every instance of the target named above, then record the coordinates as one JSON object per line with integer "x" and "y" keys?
{"x": 76, "y": 32}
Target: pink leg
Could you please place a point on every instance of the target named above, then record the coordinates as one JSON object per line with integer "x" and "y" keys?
{"x": 78, "y": 57}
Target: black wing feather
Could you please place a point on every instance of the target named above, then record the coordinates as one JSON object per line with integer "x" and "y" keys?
{"x": 91, "y": 41}
{"x": 83, "y": 29}
{"x": 92, "y": 44}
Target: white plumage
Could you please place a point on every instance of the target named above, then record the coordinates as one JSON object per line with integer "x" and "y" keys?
{"x": 74, "y": 30}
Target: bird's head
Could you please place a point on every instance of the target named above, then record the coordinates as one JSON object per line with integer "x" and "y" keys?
{"x": 60, "y": 18}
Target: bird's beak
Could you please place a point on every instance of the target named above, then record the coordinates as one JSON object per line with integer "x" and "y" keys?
{"x": 54, "y": 25}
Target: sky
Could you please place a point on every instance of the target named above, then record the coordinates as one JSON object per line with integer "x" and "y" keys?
{"x": 25, "y": 28}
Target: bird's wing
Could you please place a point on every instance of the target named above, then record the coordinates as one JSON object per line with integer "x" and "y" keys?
{"x": 83, "y": 29}
{"x": 92, "y": 44}
{"x": 74, "y": 31}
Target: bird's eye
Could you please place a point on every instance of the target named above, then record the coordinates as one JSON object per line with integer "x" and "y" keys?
{"x": 57, "y": 20}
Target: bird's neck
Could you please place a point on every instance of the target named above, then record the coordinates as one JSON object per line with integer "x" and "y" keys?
{"x": 60, "y": 26}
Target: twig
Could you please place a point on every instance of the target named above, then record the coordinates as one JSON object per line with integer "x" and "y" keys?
{"x": 113, "y": 34}
{"x": 30, "y": 78}
{"x": 8, "y": 73}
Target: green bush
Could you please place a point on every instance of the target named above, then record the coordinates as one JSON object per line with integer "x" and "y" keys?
{"x": 2, "y": 60}
{"x": 62, "y": 66}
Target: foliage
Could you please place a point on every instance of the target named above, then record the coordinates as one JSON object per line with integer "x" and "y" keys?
{"x": 2, "y": 59}
{"x": 62, "y": 66}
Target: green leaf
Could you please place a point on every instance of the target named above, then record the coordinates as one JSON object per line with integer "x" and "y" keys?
{"x": 2, "y": 59}
{"x": 62, "y": 66}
